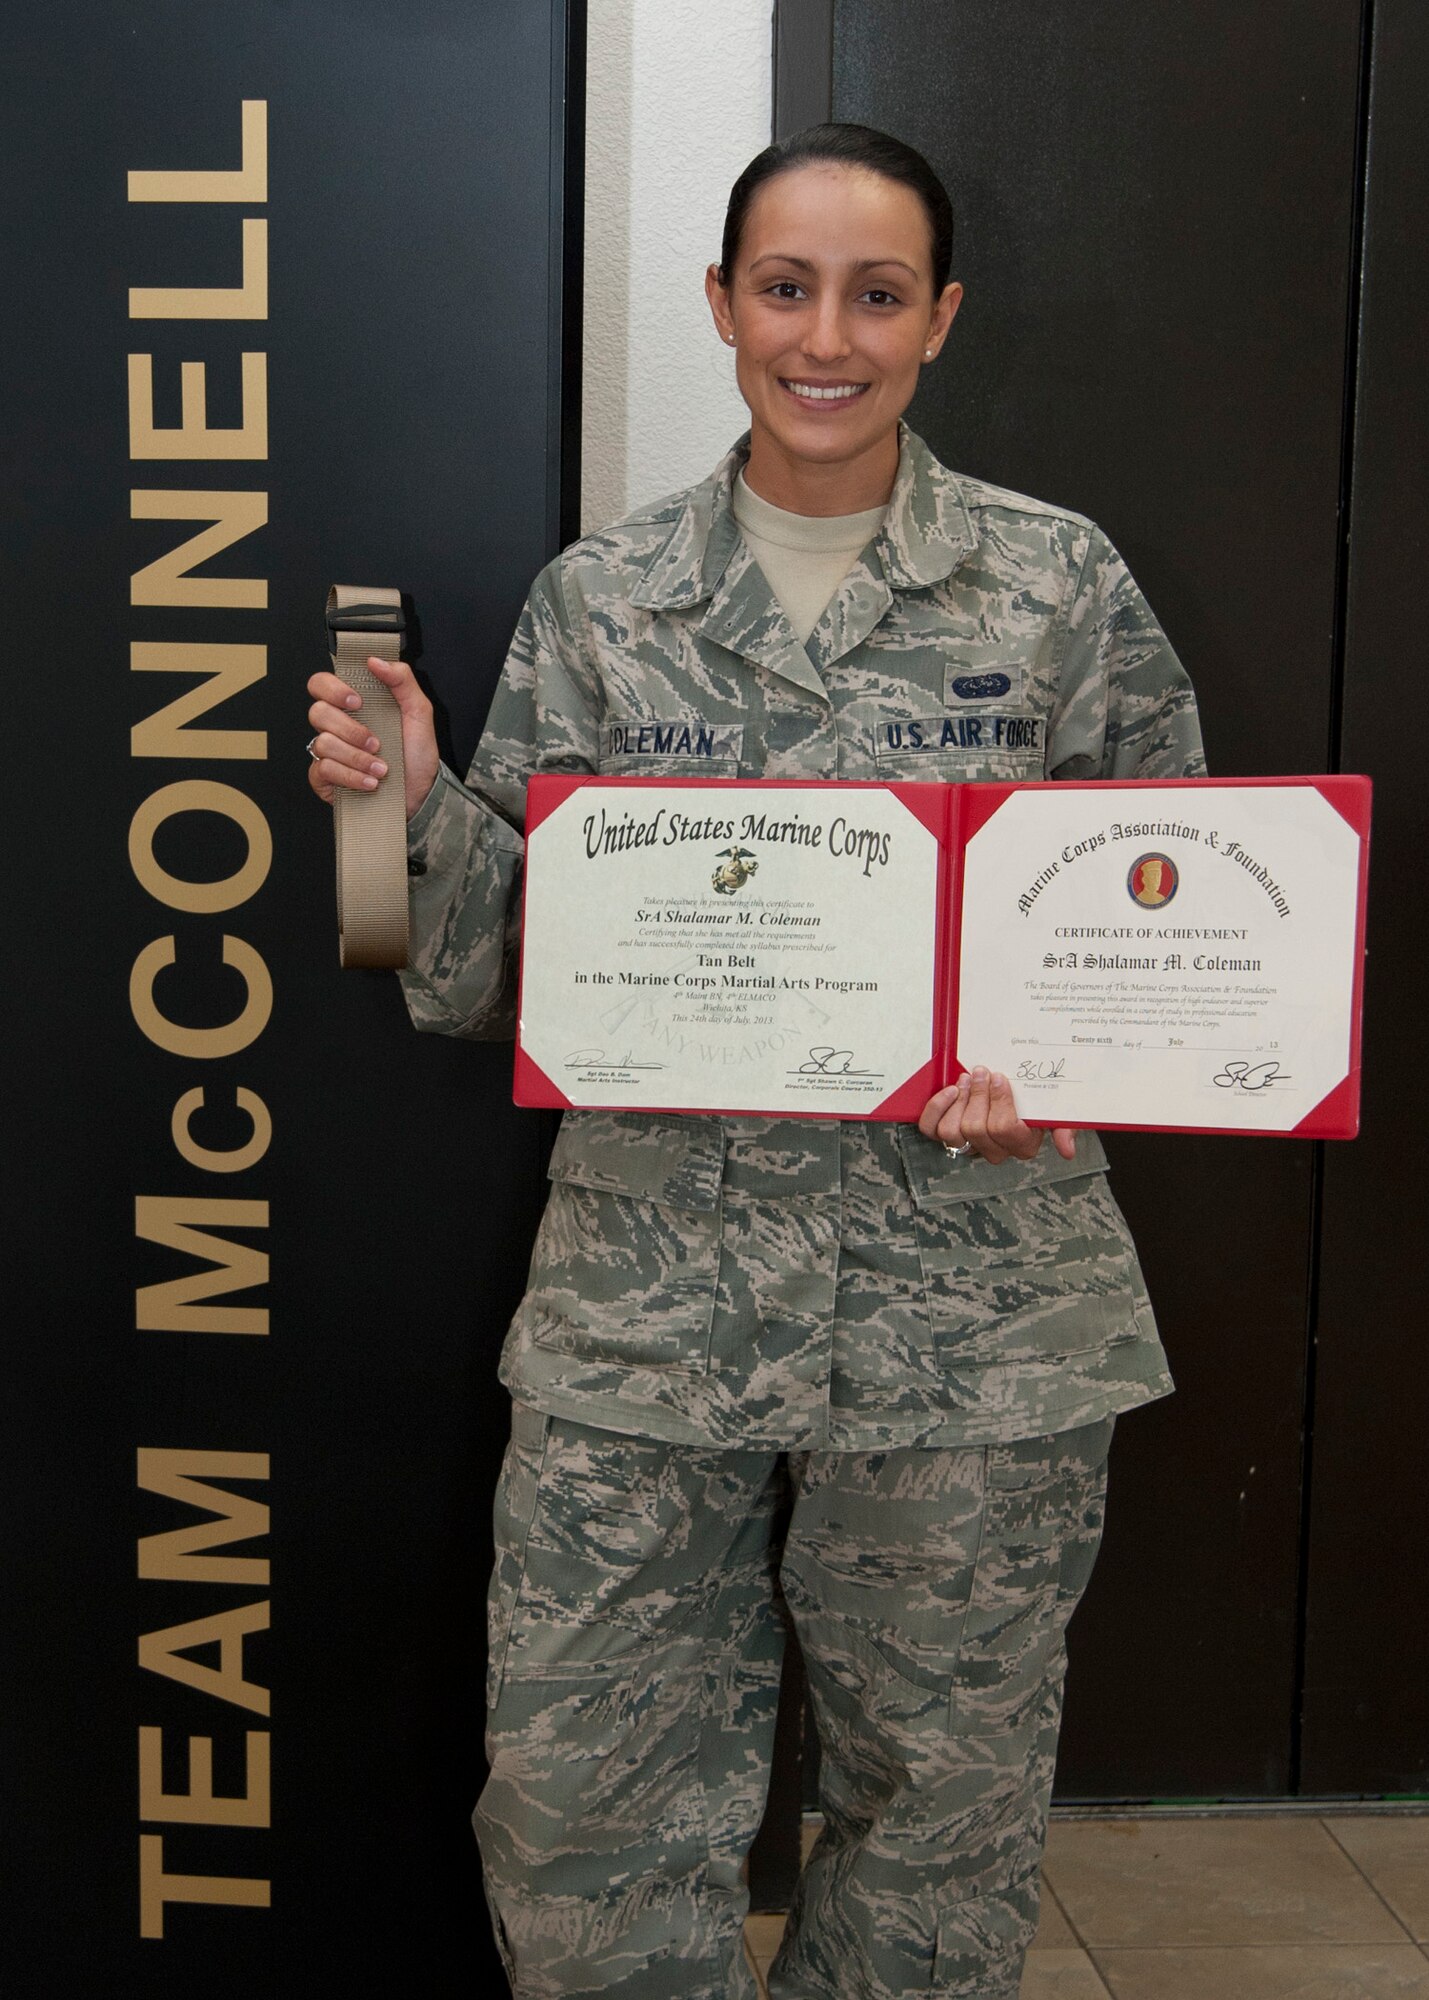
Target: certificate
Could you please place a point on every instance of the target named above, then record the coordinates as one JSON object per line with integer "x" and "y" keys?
{"x": 1183, "y": 955}
{"x": 722, "y": 946}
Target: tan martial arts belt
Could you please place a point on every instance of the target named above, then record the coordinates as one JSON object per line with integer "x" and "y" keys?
{"x": 371, "y": 827}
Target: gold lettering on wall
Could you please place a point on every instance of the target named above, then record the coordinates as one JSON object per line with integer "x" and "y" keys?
{"x": 228, "y": 670}
{"x": 206, "y": 1043}
{"x": 175, "y": 1555}
{"x": 183, "y": 1555}
{"x": 213, "y": 1293}
{"x": 248, "y": 183}
{"x": 166, "y": 1653}
{"x": 193, "y": 438}
{"x": 157, "y": 1887}
{"x": 248, "y": 300}
{"x": 200, "y": 1805}
{"x": 166, "y": 580}
{"x": 179, "y": 1224}
{"x": 200, "y": 795}
{"x": 234, "y": 1159}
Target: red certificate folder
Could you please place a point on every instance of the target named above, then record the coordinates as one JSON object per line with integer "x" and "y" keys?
{"x": 1182, "y": 955}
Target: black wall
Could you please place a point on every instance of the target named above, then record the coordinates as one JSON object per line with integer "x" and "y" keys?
{"x": 1366, "y": 1644}
{"x": 418, "y": 430}
{"x": 1187, "y": 237}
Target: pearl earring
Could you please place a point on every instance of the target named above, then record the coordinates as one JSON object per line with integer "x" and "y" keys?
{"x": 927, "y": 353}
{"x": 730, "y": 338}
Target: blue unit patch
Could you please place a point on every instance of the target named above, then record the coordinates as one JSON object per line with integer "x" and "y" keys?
{"x": 980, "y": 687}
{"x": 964, "y": 684}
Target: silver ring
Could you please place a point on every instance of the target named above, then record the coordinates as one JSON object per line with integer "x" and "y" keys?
{"x": 311, "y": 752}
{"x": 957, "y": 1152}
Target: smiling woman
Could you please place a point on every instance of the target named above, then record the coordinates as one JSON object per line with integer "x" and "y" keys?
{"x": 833, "y": 290}
{"x": 878, "y": 1362}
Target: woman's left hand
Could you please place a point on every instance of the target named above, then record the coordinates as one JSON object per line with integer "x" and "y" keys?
{"x": 978, "y": 1111}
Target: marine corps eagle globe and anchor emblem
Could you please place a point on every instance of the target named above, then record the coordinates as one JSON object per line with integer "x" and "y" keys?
{"x": 736, "y": 865}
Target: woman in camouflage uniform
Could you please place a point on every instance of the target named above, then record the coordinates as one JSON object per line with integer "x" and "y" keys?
{"x": 877, "y": 1363}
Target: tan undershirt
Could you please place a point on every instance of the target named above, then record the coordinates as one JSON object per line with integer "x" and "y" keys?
{"x": 805, "y": 556}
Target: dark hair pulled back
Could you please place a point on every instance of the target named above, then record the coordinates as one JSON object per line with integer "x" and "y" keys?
{"x": 844, "y": 146}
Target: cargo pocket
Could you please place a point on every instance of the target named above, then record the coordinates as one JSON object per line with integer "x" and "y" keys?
{"x": 627, "y": 1258}
{"x": 981, "y": 1938}
{"x": 946, "y": 1617}
{"x": 512, "y": 1515}
{"x": 1022, "y": 1262}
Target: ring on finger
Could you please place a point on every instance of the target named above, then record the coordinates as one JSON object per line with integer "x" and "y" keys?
{"x": 312, "y": 752}
{"x": 958, "y": 1152}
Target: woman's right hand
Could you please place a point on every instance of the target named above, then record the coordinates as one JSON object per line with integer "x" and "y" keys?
{"x": 347, "y": 751}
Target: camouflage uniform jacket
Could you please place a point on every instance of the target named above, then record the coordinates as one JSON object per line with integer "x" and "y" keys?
{"x": 808, "y": 1283}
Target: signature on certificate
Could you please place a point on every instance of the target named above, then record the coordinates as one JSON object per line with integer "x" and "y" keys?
{"x": 1043, "y": 1069}
{"x": 825, "y": 1060}
{"x": 598, "y": 1059}
{"x": 1241, "y": 1075}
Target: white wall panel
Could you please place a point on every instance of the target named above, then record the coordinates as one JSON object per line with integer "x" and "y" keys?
{"x": 678, "y": 103}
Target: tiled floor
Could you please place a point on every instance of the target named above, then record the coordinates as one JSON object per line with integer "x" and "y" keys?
{"x": 1242, "y": 1908}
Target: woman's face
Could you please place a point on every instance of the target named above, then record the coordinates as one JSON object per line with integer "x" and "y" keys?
{"x": 832, "y": 311}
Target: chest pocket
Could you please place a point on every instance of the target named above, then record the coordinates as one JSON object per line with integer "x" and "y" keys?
{"x": 680, "y": 747}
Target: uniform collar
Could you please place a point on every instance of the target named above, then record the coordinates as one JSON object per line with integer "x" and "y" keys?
{"x": 927, "y": 533}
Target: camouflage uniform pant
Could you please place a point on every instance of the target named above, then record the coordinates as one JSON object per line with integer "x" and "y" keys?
{"x": 634, "y": 1672}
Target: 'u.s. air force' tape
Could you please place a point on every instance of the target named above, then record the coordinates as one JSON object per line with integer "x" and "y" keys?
{"x": 371, "y": 827}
